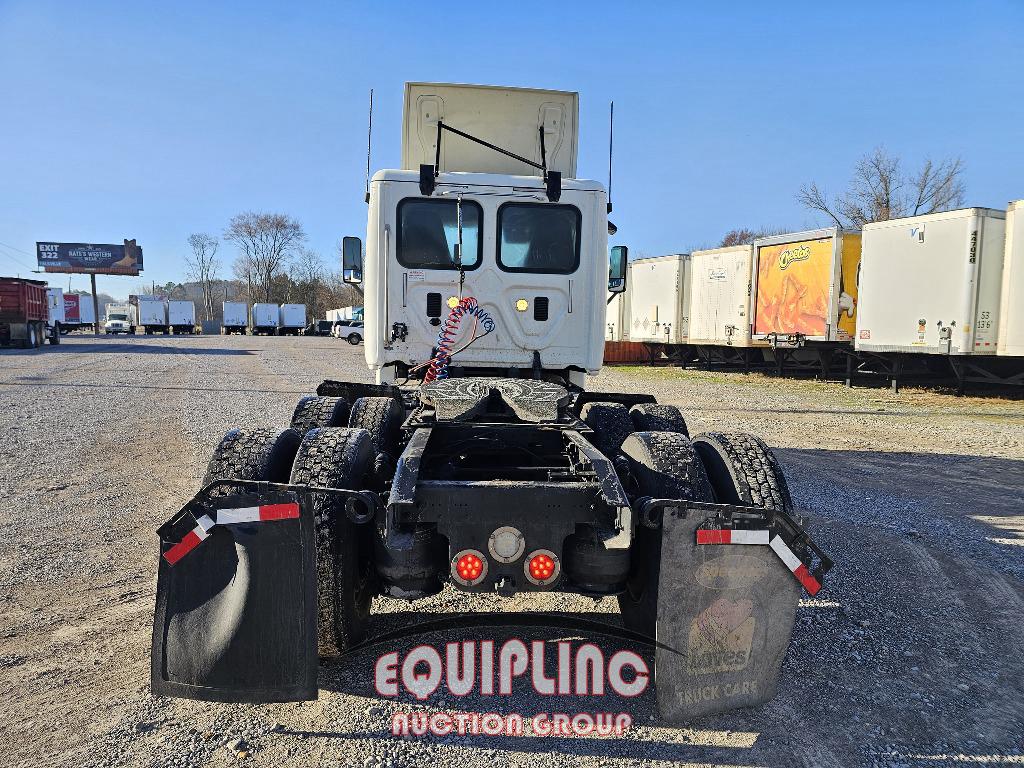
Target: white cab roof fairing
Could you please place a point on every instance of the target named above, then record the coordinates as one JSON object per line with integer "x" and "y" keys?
{"x": 510, "y": 118}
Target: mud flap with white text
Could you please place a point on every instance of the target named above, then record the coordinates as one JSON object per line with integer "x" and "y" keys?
{"x": 728, "y": 612}
{"x": 236, "y": 601}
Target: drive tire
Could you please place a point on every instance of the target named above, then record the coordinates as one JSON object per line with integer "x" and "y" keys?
{"x": 382, "y": 417}
{"x": 29, "y": 342}
{"x": 651, "y": 417}
{"x": 252, "y": 454}
{"x": 354, "y": 339}
{"x": 662, "y": 465}
{"x": 55, "y": 335}
{"x": 338, "y": 457}
{"x": 743, "y": 470}
{"x": 611, "y": 424}
{"x": 315, "y": 411}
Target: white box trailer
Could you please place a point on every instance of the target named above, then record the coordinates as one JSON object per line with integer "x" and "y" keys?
{"x": 152, "y": 314}
{"x": 235, "y": 317}
{"x": 266, "y": 318}
{"x": 932, "y": 284}
{"x": 804, "y": 287}
{"x": 293, "y": 319}
{"x": 658, "y": 299}
{"x": 181, "y": 316}
{"x": 1011, "y": 303}
{"x": 720, "y": 296}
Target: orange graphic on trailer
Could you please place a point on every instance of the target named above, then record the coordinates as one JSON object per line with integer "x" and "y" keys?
{"x": 793, "y": 281}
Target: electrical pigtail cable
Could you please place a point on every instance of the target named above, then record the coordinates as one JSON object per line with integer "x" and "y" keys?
{"x": 438, "y": 366}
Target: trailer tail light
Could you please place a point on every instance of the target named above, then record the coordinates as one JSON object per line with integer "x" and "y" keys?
{"x": 542, "y": 567}
{"x": 469, "y": 567}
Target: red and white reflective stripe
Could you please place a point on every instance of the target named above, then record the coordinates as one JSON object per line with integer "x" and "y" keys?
{"x": 779, "y": 547}
{"x": 727, "y": 536}
{"x": 192, "y": 540}
{"x": 261, "y": 514}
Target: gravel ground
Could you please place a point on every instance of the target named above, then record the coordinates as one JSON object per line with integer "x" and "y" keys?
{"x": 911, "y": 655}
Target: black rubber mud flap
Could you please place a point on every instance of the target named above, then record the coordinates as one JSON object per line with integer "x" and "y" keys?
{"x": 728, "y": 612}
{"x": 236, "y": 611}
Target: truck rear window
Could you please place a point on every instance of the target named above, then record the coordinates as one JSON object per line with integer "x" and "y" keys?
{"x": 539, "y": 237}
{"x": 428, "y": 231}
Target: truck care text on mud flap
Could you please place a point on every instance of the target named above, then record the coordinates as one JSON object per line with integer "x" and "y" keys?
{"x": 479, "y": 460}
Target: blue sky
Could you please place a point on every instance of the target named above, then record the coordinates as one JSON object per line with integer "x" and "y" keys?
{"x": 156, "y": 120}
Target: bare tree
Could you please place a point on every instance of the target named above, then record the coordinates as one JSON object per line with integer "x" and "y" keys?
{"x": 745, "y": 236}
{"x": 265, "y": 242}
{"x": 880, "y": 190}
{"x": 204, "y": 268}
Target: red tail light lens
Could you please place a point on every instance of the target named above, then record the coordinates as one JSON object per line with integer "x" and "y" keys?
{"x": 469, "y": 567}
{"x": 542, "y": 567}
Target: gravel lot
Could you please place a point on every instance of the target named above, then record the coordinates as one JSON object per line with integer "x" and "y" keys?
{"x": 911, "y": 655}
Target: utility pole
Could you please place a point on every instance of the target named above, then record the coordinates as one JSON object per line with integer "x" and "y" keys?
{"x": 95, "y": 305}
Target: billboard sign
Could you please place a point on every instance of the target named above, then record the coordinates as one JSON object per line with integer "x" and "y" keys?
{"x": 89, "y": 258}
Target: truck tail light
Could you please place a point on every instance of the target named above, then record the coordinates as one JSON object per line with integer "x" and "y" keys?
{"x": 469, "y": 567}
{"x": 542, "y": 567}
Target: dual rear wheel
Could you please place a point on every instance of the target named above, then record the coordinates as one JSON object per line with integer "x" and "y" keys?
{"x": 658, "y": 459}
{"x": 330, "y": 445}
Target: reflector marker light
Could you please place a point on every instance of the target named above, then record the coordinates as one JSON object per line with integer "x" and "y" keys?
{"x": 469, "y": 567}
{"x": 542, "y": 567}
{"x": 778, "y": 546}
{"x": 262, "y": 514}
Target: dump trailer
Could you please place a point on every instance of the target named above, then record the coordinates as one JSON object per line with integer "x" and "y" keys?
{"x": 479, "y": 460}
{"x": 181, "y": 316}
{"x": 236, "y": 318}
{"x": 24, "y": 314}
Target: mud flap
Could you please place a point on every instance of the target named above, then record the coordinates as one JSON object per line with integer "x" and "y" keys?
{"x": 236, "y": 601}
{"x": 728, "y": 612}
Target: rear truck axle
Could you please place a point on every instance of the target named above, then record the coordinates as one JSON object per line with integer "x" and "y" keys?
{"x": 481, "y": 485}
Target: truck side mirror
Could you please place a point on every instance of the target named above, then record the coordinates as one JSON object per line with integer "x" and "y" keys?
{"x": 617, "y": 269}
{"x": 352, "y": 260}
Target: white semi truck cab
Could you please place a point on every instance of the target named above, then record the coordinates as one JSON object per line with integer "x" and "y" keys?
{"x": 486, "y": 212}
{"x": 477, "y": 460}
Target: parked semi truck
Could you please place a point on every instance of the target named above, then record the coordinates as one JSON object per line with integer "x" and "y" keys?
{"x": 236, "y": 318}
{"x": 181, "y": 316}
{"x": 25, "y": 314}
{"x": 479, "y": 459}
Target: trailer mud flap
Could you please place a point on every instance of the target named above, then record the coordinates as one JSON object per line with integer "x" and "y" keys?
{"x": 236, "y": 601}
{"x": 728, "y": 612}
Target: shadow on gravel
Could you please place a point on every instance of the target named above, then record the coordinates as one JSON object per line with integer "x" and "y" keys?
{"x": 129, "y": 348}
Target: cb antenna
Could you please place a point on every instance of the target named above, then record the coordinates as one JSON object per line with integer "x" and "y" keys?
{"x": 369, "y": 142}
{"x": 611, "y": 135}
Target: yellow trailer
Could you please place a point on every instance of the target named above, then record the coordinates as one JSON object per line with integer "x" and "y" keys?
{"x": 804, "y": 287}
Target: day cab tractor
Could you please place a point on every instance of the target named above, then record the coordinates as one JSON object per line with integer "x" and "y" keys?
{"x": 478, "y": 460}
